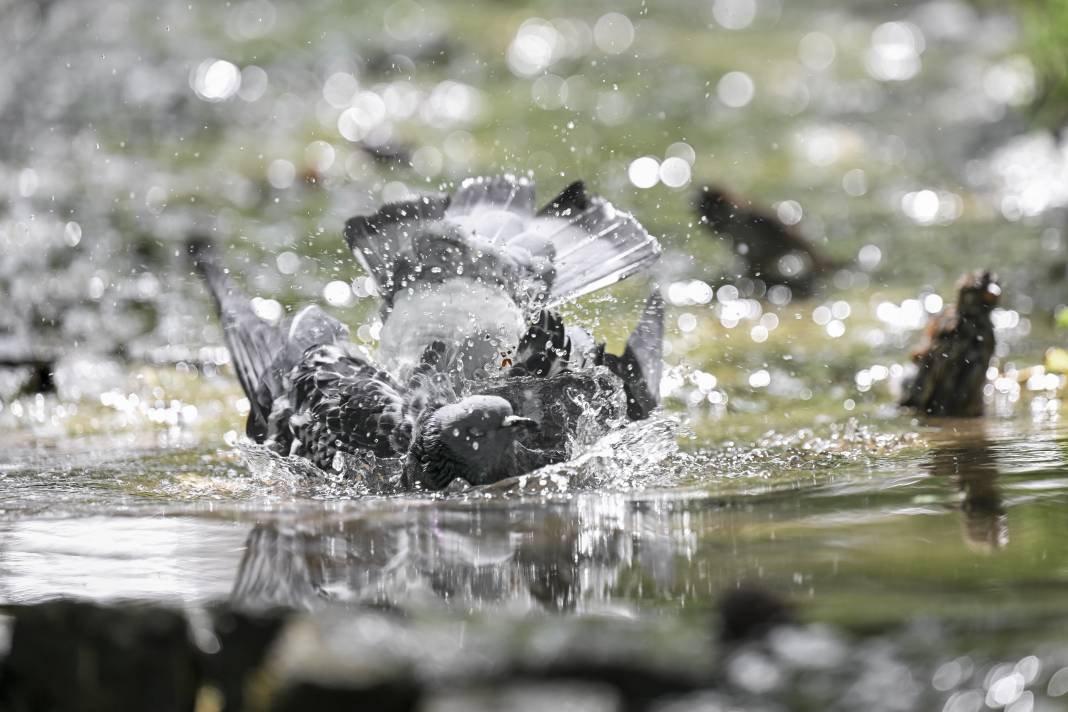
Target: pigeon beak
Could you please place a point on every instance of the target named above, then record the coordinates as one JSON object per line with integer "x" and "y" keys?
{"x": 993, "y": 291}
{"x": 515, "y": 421}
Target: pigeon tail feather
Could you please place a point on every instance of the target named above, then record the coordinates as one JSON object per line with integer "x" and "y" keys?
{"x": 490, "y": 232}
{"x": 506, "y": 192}
{"x": 262, "y": 351}
{"x": 383, "y": 242}
{"x": 596, "y": 244}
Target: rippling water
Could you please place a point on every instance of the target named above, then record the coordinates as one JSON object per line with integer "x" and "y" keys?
{"x": 960, "y": 524}
{"x": 967, "y": 511}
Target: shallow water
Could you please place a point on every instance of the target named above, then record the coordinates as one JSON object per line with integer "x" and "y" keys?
{"x": 959, "y": 525}
{"x": 961, "y": 520}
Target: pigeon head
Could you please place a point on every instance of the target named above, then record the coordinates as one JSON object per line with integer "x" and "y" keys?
{"x": 472, "y": 439}
{"x": 716, "y": 206}
{"x": 978, "y": 293}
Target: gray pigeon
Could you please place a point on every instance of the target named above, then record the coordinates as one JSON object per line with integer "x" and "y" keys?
{"x": 475, "y": 270}
{"x": 462, "y": 281}
{"x": 312, "y": 394}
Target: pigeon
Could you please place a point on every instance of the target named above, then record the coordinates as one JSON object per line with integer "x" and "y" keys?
{"x": 312, "y": 393}
{"x": 956, "y": 351}
{"x": 473, "y": 271}
{"x": 772, "y": 251}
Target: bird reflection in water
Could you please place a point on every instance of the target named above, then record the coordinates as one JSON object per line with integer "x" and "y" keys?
{"x": 557, "y": 557}
{"x": 972, "y": 465}
{"x": 281, "y": 568}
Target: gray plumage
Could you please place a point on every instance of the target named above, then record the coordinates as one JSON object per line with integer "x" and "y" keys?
{"x": 563, "y": 379}
{"x": 312, "y": 394}
{"x": 472, "y": 271}
{"x": 467, "y": 284}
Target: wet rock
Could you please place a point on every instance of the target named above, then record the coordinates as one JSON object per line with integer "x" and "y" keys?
{"x": 244, "y": 641}
{"x": 750, "y": 611}
{"x": 68, "y": 655}
{"x": 387, "y": 696}
{"x": 341, "y": 660}
{"x": 637, "y": 686}
{"x": 547, "y": 696}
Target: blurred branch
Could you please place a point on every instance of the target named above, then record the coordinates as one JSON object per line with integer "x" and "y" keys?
{"x": 1046, "y": 41}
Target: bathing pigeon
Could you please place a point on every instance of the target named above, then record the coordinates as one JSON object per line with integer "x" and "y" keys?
{"x": 956, "y": 352}
{"x": 771, "y": 251}
{"x": 475, "y": 270}
{"x": 311, "y": 393}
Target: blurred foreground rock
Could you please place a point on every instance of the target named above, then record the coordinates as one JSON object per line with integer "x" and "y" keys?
{"x": 67, "y": 655}
{"x": 80, "y": 656}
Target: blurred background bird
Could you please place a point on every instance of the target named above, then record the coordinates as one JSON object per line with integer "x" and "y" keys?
{"x": 953, "y": 359}
{"x": 769, "y": 250}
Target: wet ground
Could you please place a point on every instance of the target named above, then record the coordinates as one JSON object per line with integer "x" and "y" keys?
{"x": 926, "y": 558}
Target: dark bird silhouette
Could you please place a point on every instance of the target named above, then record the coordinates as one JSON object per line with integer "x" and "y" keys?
{"x": 956, "y": 351}
{"x": 474, "y": 270}
{"x": 770, "y": 250}
{"x": 311, "y": 393}
{"x": 388, "y": 154}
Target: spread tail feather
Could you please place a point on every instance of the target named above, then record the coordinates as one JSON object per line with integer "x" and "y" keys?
{"x": 505, "y": 192}
{"x": 641, "y": 364}
{"x": 576, "y": 244}
{"x": 596, "y": 244}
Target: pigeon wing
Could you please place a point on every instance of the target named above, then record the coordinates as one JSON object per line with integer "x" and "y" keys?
{"x": 545, "y": 348}
{"x": 342, "y": 401}
{"x": 383, "y": 242}
{"x": 253, "y": 343}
